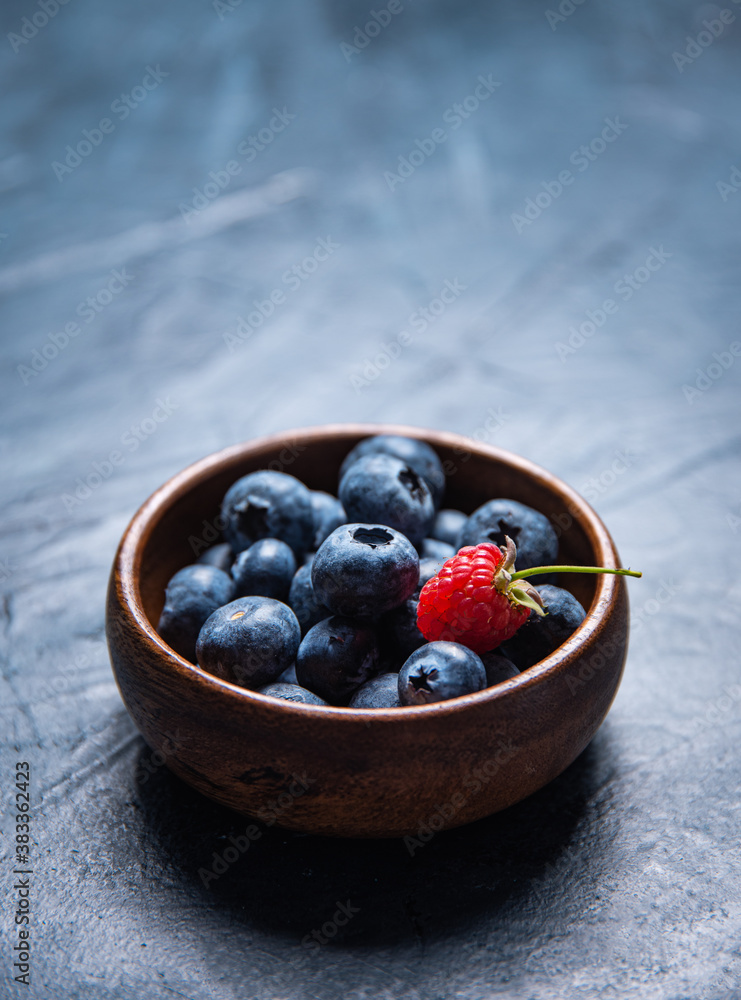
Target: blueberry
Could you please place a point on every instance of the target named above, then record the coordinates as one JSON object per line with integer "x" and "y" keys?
{"x": 328, "y": 515}
{"x": 302, "y": 599}
{"x": 292, "y": 692}
{"x": 364, "y": 569}
{"x": 447, "y": 525}
{"x": 265, "y": 569}
{"x": 540, "y": 635}
{"x": 400, "y": 626}
{"x": 531, "y": 531}
{"x": 438, "y": 671}
{"x": 192, "y": 594}
{"x": 250, "y": 641}
{"x": 336, "y": 657}
{"x": 289, "y": 675}
{"x": 498, "y": 668}
{"x": 416, "y": 454}
{"x": 218, "y": 555}
{"x": 392, "y": 657}
{"x": 268, "y": 504}
{"x": 379, "y": 692}
{"x": 381, "y": 489}
{"x": 433, "y": 548}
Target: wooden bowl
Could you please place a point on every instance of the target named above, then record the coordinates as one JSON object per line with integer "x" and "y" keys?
{"x": 362, "y": 772}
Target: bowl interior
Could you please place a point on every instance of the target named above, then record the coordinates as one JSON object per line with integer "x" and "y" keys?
{"x": 188, "y": 521}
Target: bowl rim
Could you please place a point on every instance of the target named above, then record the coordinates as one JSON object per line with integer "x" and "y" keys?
{"x": 127, "y": 567}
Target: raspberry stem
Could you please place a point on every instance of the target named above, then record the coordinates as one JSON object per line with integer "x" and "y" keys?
{"x": 522, "y": 573}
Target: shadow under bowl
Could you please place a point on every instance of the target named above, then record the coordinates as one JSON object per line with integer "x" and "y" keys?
{"x": 362, "y": 772}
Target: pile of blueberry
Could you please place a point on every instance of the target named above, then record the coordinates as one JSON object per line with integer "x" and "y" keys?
{"x": 313, "y": 598}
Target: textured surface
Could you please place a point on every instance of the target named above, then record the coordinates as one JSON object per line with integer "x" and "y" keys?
{"x": 621, "y": 878}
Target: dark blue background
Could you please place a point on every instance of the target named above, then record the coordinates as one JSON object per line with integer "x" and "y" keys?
{"x": 620, "y": 879}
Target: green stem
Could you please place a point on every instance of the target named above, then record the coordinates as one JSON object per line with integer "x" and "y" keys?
{"x": 522, "y": 573}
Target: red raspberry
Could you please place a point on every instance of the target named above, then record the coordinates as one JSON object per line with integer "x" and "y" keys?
{"x": 468, "y": 601}
{"x": 479, "y": 600}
